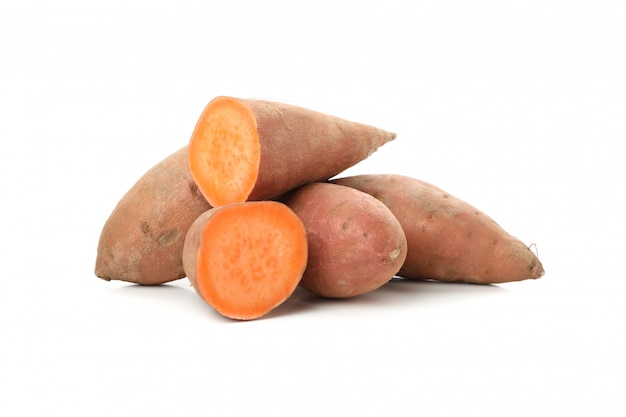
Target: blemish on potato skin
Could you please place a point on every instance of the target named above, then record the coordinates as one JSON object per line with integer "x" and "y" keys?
{"x": 169, "y": 236}
{"x": 145, "y": 228}
{"x": 347, "y": 223}
{"x": 393, "y": 255}
{"x": 193, "y": 188}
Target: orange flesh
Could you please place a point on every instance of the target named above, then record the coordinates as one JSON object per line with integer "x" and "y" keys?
{"x": 224, "y": 152}
{"x": 251, "y": 258}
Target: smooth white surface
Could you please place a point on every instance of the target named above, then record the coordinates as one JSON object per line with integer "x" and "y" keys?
{"x": 517, "y": 107}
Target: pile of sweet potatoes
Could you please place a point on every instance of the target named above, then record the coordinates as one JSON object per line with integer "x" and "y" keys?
{"x": 252, "y": 207}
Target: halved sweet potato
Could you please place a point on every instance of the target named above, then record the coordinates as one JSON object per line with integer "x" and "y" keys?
{"x": 244, "y": 149}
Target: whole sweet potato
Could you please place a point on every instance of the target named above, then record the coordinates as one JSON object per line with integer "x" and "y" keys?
{"x": 448, "y": 239}
{"x": 142, "y": 240}
{"x": 355, "y": 243}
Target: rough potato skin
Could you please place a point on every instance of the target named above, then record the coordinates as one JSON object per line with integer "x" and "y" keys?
{"x": 142, "y": 240}
{"x": 355, "y": 243}
{"x": 448, "y": 239}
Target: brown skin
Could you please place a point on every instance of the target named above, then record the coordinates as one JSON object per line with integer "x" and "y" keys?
{"x": 142, "y": 240}
{"x": 244, "y": 150}
{"x": 246, "y": 259}
{"x": 448, "y": 239}
{"x": 356, "y": 245}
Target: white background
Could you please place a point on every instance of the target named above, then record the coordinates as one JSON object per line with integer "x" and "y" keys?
{"x": 518, "y": 107}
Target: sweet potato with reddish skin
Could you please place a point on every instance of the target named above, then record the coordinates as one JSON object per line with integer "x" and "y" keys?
{"x": 448, "y": 239}
{"x": 245, "y": 259}
{"x": 356, "y": 245}
{"x": 142, "y": 240}
{"x": 243, "y": 150}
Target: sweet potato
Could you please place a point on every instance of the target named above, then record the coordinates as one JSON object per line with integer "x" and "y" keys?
{"x": 448, "y": 239}
{"x": 355, "y": 243}
{"x": 142, "y": 240}
{"x": 243, "y": 150}
{"x": 245, "y": 259}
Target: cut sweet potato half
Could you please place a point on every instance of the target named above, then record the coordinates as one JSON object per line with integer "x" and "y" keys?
{"x": 243, "y": 150}
{"x": 246, "y": 259}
